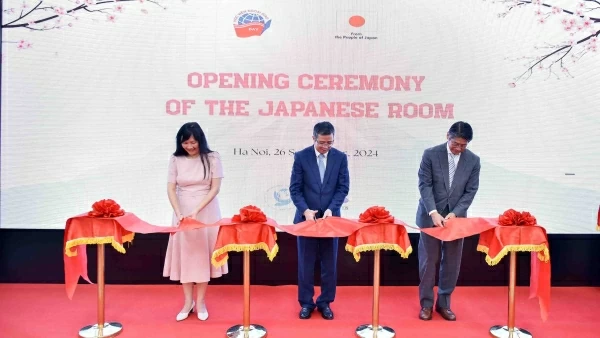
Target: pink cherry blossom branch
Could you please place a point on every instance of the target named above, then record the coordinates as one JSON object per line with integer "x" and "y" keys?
{"x": 22, "y": 16}
{"x": 529, "y": 70}
{"x": 41, "y": 29}
{"x": 72, "y": 10}
{"x": 555, "y": 54}
{"x": 100, "y": 10}
{"x": 515, "y": 4}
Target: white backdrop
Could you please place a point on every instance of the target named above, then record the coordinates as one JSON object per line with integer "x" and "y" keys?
{"x": 85, "y": 112}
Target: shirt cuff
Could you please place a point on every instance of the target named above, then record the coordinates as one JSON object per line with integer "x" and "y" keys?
{"x": 432, "y": 211}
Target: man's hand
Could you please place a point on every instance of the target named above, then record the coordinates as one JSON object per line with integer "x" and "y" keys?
{"x": 450, "y": 215}
{"x": 309, "y": 215}
{"x": 438, "y": 220}
{"x": 327, "y": 213}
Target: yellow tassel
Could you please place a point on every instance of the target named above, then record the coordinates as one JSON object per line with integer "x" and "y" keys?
{"x": 542, "y": 250}
{"x": 240, "y": 248}
{"x": 378, "y": 246}
{"x": 97, "y": 240}
{"x": 349, "y": 248}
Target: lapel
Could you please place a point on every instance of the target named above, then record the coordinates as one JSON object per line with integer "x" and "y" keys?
{"x": 443, "y": 157}
{"x": 313, "y": 165}
{"x": 462, "y": 165}
{"x": 331, "y": 160}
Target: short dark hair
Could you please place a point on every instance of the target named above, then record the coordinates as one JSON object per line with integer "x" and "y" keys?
{"x": 461, "y": 129}
{"x": 323, "y": 128}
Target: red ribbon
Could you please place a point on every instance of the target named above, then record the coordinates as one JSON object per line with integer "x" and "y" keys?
{"x": 329, "y": 227}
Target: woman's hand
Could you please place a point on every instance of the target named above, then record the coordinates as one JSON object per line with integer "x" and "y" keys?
{"x": 179, "y": 219}
{"x": 193, "y": 215}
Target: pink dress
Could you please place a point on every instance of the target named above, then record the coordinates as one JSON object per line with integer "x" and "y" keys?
{"x": 189, "y": 252}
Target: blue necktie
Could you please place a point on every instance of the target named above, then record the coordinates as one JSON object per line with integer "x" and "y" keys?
{"x": 322, "y": 166}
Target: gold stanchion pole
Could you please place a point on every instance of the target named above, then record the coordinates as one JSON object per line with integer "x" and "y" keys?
{"x": 247, "y": 330}
{"x": 373, "y": 330}
{"x": 100, "y": 301}
{"x": 101, "y": 329}
{"x": 376, "y": 275}
{"x": 510, "y": 331}
{"x": 246, "y": 290}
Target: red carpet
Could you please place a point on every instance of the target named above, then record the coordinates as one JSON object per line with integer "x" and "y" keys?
{"x": 40, "y": 310}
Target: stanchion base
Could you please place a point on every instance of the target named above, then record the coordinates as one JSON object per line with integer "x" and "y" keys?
{"x": 252, "y": 331}
{"x": 366, "y": 331}
{"x": 110, "y": 330}
{"x": 503, "y": 332}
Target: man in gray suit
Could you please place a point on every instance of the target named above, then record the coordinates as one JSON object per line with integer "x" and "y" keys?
{"x": 448, "y": 182}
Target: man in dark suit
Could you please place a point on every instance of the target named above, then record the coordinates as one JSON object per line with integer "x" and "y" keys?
{"x": 318, "y": 186}
{"x": 448, "y": 182}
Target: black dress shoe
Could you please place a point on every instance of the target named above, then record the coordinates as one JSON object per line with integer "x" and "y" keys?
{"x": 447, "y": 314}
{"x": 305, "y": 313}
{"x": 326, "y": 313}
{"x": 425, "y": 313}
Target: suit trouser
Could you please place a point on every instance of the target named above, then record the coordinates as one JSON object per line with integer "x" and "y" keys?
{"x": 311, "y": 249}
{"x": 429, "y": 255}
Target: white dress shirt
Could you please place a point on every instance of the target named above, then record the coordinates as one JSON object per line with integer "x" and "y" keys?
{"x": 455, "y": 158}
{"x": 324, "y": 160}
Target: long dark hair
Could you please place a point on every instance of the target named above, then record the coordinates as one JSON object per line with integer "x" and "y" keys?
{"x": 185, "y": 132}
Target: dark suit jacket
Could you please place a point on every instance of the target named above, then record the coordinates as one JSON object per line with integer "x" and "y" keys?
{"x": 306, "y": 189}
{"x": 434, "y": 184}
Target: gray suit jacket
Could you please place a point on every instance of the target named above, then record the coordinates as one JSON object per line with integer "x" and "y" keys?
{"x": 434, "y": 184}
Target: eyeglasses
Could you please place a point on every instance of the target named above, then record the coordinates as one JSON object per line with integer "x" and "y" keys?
{"x": 456, "y": 144}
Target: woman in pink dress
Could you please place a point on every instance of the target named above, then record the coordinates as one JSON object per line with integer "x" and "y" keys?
{"x": 194, "y": 180}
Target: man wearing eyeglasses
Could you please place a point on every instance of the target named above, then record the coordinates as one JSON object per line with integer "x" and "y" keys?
{"x": 318, "y": 186}
{"x": 448, "y": 182}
